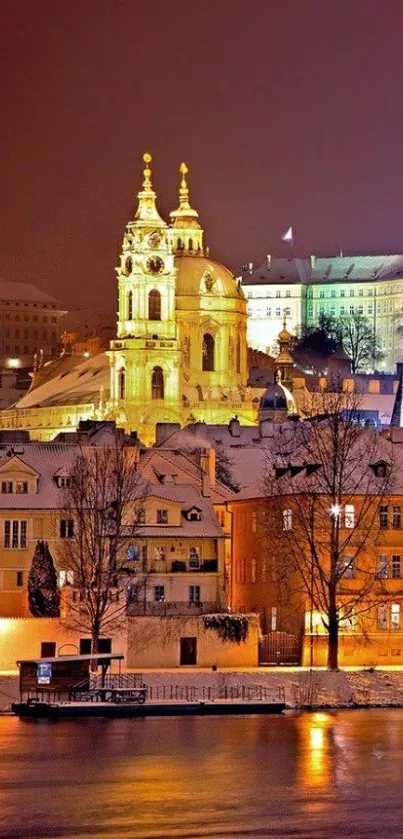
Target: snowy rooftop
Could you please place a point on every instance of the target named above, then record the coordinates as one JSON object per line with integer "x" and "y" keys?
{"x": 27, "y": 293}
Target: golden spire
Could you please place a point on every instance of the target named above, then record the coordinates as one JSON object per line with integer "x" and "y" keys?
{"x": 183, "y": 189}
{"x": 147, "y": 171}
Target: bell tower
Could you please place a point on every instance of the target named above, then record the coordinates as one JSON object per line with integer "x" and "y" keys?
{"x": 144, "y": 358}
{"x": 186, "y": 228}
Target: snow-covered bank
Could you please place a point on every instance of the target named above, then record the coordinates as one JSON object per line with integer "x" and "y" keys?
{"x": 299, "y": 688}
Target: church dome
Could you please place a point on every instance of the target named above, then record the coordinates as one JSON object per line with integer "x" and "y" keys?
{"x": 277, "y": 397}
{"x": 199, "y": 275}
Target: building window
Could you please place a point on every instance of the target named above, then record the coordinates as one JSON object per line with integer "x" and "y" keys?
{"x": 287, "y": 520}
{"x": 194, "y": 594}
{"x": 396, "y": 517}
{"x": 351, "y": 292}
{"x": 396, "y": 572}
{"x": 383, "y": 517}
{"x": 15, "y": 533}
{"x": 321, "y": 294}
{"x": 342, "y": 293}
{"x": 383, "y": 567}
{"x": 349, "y": 571}
{"x": 342, "y": 310}
{"x": 19, "y": 579}
{"x": 238, "y": 355}
{"x": 382, "y": 618}
{"x": 154, "y": 305}
{"x": 349, "y": 517}
{"x": 157, "y": 383}
{"x": 66, "y": 528}
{"x": 253, "y": 569}
{"x": 21, "y": 487}
{"x": 7, "y": 487}
{"x": 208, "y": 352}
{"x": 333, "y": 293}
{"x": 278, "y": 293}
{"x": 395, "y": 615}
{"x": 288, "y": 292}
{"x": 48, "y": 649}
{"x": 162, "y": 516}
{"x": 122, "y": 383}
{"x": 351, "y": 310}
{"x": 130, "y": 306}
{"x": 194, "y": 558}
{"x": 159, "y": 594}
{"x": 254, "y": 521}
{"x": 65, "y": 578}
{"x": 278, "y": 312}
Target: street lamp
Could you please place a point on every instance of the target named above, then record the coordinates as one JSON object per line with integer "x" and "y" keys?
{"x": 335, "y": 510}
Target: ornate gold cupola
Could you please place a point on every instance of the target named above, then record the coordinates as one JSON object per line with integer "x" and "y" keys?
{"x": 187, "y": 232}
{"x": 147, "y": 212}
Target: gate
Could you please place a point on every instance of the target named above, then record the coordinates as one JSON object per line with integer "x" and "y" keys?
{"x": 280, "y": 648}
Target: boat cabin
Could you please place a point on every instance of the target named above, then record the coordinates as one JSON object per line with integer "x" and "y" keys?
{"x": 56, "y": 677}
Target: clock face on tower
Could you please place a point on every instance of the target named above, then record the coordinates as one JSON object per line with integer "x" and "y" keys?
{"x": 155, "y": 265}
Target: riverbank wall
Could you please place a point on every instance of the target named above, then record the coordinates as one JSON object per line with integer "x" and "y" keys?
{"x": 298, "y": 688}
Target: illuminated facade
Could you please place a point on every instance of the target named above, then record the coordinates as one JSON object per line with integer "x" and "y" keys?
{"x": 305, "y": 289}
{"x": 180, "y": 353}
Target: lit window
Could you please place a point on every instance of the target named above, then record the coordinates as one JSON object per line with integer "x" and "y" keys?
{"x": 65, "y": 578}
{"x": 287, "y": 520}
{"x": 383, "y": 567}
{"x": 349, "y": 517}
{"x": 396, "y": 567}
{"x": 395, "y": 615}
{"x": 253, "y": 570}
{"x": 273, "y": 618}
{"x": 278, "y": 312}
{"x": 159, "y": 594}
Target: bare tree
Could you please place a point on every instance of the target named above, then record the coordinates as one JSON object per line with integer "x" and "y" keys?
{"x": 360, "y": 341}
{"x": 326, "y": 481}
{"x": 102, "y": 508}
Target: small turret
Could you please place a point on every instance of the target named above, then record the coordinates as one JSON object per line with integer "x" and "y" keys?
{"x": 187, "y": 232}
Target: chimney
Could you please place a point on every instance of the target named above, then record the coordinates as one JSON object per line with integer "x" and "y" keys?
{"x": 266, "y": 428}
{"x": 313, "y": 262}
{"x": 207, "y": 465}
{"x": 250, "y": 267}
{"x": 164, "y": 430}
{"x": 234, "y": 427}
{"x": 268, "y": 261}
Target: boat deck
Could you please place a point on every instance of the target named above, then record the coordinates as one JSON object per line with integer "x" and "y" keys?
{"x": 75, "y": 710}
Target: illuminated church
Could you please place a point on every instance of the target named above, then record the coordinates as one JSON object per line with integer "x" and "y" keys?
{"x": 180, "y": 353}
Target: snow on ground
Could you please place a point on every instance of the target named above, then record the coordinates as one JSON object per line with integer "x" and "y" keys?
{"x": 297, "y": 687}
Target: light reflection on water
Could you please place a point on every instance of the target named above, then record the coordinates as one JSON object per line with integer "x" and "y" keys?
{"x": 319, "y": 775}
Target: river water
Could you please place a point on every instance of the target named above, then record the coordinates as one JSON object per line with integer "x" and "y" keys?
{"x": 308, "y": 775}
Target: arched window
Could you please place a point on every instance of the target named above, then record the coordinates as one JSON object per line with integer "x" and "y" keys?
{"x": 179, "y": 244}
{"x": 238, "y": 354}
{"x": 130, "y": 306}
{"x": 128, "y": 266}
{"x": 157, "y": 383}
{"x": 154, "y": 305}
{"x": 190, "y": 244}
{"x": 122, "y": 383}
{"x": 208, "y": 352}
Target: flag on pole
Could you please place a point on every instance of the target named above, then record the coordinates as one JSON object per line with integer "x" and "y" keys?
{"x": 288, "y": 236}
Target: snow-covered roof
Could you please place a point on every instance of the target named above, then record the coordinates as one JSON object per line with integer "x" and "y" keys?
{"x": 28, "y": 293}
{"x": 75, "y": 383}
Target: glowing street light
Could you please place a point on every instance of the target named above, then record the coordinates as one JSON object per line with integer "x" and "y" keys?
{"x": 335, "y": 510}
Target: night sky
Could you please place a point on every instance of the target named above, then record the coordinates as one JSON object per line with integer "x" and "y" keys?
{"x": 286, "y": 112}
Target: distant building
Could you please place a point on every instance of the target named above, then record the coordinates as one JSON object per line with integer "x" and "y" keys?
{"x": 304, "y": 289}
{"x": 29, "y": 325}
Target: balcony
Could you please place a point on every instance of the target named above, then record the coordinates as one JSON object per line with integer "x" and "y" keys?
{"x": 170, "y": 609}
{"x": 206, "y": 566}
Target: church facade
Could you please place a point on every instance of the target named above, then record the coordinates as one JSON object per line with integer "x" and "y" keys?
{"x": 180, "y": 352}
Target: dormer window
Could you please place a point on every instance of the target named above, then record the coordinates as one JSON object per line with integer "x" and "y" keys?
{"x": 7, "y": 487}
{"x": 162, "y": 516}
{"x": 193, "y": 514}
{"x": 21, "y": 487}
{"x": 380, "y": 468}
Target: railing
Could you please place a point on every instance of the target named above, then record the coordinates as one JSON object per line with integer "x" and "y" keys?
{"x": 231, "y": 693}
{"x": 161, "y": 609}
{"x": 208, "y": 566}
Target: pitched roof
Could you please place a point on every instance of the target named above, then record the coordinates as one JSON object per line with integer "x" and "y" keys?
{"x": 27, "y": 293}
